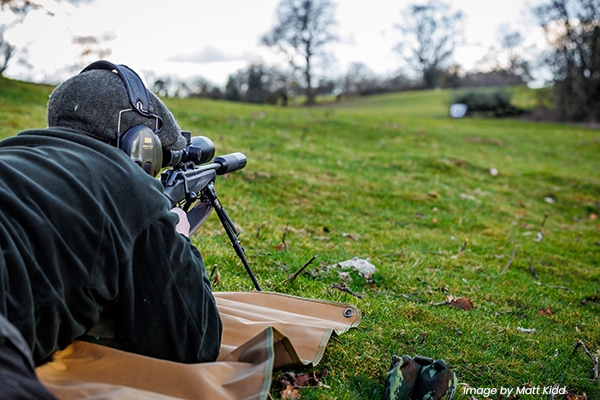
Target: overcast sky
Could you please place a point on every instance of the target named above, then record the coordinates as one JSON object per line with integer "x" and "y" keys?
{"x": 215, "y": 38}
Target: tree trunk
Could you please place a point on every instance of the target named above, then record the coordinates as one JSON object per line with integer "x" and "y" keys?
{"x": 310, "y": 96}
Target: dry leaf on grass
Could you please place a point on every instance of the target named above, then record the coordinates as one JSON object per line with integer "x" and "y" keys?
{"x": 301, "y": 379}
{"x": 464, "y": 303}
{"x": 353, "y": 236}
{"x": 572, "y": 396}
{"x": 281, "y": 247}
{"x": 290, "y": 393}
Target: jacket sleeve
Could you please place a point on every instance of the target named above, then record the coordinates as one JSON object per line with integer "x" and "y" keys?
{"x": 166, "y": 308}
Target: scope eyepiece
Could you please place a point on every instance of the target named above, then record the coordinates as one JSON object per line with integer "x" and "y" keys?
{"x": 199, "y": 150}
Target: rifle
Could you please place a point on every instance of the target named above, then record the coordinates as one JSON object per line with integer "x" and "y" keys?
{"x": 190, "y": 184}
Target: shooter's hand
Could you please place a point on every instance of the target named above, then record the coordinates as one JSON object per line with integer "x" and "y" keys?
{"x": 183, "y": 226}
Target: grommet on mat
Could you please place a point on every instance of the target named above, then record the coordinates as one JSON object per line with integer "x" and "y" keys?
{"x": 349, "y": 312}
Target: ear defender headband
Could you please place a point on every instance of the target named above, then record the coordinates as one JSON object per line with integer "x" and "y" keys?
{"x": 139, "y": 142}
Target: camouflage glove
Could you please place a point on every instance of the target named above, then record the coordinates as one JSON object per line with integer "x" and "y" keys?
{"x": 419, "y": 378}
{"x": 402, "y": 378}
{"x": 436, "y": 382}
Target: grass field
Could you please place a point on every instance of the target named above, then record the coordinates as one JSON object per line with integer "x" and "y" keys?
{"x": 502, "y": 212}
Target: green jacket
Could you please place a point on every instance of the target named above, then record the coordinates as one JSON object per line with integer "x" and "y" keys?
{"x": 84, "y": 231}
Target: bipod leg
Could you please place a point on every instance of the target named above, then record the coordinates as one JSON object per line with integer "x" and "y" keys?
{"x": 210, "y": 192}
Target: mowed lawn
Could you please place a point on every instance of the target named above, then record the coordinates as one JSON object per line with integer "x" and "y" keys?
{"x": 500, "y": 213}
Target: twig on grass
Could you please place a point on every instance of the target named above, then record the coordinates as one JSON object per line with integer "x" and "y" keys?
{"x": 533, "y": 273}
{"x": 406, "y": 296}
{"x": 462, "y": 248}
{"x": 215, "y": 276}
{"x": 438, "y": 253}
{"x": 295, "y": 275}
{"x": 283, "y": 245}
{"x": 512, "y": 257}
{"x": 503, "y": 313}
{"x": 540, "y": 234}
{"x": 342, "y": 287}
{"x": 259, "y": 230}
{"x": 553, "y": 286}
{"x": 542, "y": 224}
{"x": 593, "y": 357}
{"x": 285, "y": 231}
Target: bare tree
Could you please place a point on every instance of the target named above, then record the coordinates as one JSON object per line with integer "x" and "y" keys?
{"x": 20, "y": 7}
{"x": 302, "y": 33}
{"x": 18, "y": 10}
{"x": 430, "y": 34}
{"x": 7, "y": 51}
{"x": 508, "y": 60}
{"x": 92, "y": 47}
{"x": 510, "y": 44}
{"x": 358, "y": 80}
{"x": 572, "y": 29}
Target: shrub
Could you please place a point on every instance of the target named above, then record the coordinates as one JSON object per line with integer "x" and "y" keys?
{"x": 495, "y": 103}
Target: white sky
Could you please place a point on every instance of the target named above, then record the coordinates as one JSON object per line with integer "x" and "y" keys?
{"x": 171, "y": 37}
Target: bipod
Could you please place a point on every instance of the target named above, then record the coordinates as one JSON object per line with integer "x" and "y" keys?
{"x": 211, "y": 194}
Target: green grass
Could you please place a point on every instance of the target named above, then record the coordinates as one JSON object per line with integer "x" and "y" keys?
{"x": 393, "y": 179}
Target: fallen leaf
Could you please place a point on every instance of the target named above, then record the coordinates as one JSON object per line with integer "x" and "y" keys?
{"x": 216, "y": 279}
{"x": 573, "y": 396}
{"x": 290, "y": 393}
{"x": 466, "y": 196}
{"x": 295, "y": 381}
{"x": 546, "y": 311}
{"x": 281, "y": 247}
{"x": 353, "y": 236}
{"x": 250, "y": 175}
{"x": 522, "y": 204}
{"x": 464, "y": 303}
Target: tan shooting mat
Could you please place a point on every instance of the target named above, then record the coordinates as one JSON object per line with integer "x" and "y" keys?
{"x": 262, "y": 332}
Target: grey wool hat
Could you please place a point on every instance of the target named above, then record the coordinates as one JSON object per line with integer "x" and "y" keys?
{"x": 91, "y": 101}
